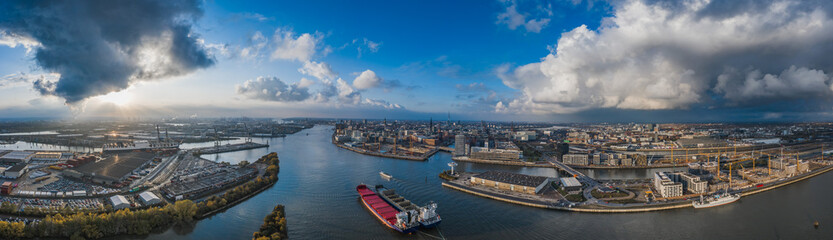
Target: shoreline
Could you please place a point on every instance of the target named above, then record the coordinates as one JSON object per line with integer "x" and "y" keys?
{"x": 236, "y": 202}
{"x": 545, "y": 164}
{"x": 378, "y": 154}
{"x": 608, "y": 209}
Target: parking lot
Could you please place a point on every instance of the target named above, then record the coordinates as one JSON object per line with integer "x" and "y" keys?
{"x": 195, "y": 177}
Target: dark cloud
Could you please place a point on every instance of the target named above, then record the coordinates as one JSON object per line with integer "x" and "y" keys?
{"x": 102, "y": 46}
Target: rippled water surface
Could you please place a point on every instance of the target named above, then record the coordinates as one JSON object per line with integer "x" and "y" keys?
{"x": 317, "y": 186}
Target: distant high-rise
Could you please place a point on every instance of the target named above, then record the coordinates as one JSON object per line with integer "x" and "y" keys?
{"x": 431, "y": 125}
{"x": 460, "y": 145}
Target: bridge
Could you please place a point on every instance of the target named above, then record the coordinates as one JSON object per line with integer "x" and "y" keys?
{"x": 573, "y": 172}
{"x": 447, "y": 149}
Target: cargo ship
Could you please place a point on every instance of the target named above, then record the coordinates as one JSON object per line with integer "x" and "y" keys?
{"x": 427, "y": 215}
{"x": 716, "y": 200}
{"x": 401, "y": 221}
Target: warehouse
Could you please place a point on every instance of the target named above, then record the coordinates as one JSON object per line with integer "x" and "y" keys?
{"x": 119, "y": 202}
{"x": 115, "y": 168}
{"x": 15, "y": 171}
{"x": 570, "y": 184}
{"x": 148, "y": 198}
{"x": 15, "y": 157}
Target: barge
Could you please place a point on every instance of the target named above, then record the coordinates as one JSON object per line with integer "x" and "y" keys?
{"x": 428, "y": 217}
{"x": 401, "y": 221}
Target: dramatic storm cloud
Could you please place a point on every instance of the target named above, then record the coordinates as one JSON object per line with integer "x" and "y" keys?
{"x": 273, "y": 89}
{"x": 677, "y": 54}
{"x": 103, "y": 46}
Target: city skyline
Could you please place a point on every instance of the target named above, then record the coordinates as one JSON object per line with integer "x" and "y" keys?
{"x": 558, "y": 61}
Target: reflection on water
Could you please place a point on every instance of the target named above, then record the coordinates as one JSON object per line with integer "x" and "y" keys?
{"x": 317, "y": 185}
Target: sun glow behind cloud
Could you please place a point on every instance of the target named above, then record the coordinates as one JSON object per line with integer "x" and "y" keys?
{"x": 121, "y": 98}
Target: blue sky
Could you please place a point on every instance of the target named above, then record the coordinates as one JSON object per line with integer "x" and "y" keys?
{"x": 517, "y": 60}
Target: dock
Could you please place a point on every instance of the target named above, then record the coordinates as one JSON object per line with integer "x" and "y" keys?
{"x": 228, "y": 148}
{"x": 598, "y": 208}
{"x": 421, "y": 157}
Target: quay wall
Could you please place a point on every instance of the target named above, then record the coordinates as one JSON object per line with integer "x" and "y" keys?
{"x": 603, "y": 209}
{"x": 378, "y": 154}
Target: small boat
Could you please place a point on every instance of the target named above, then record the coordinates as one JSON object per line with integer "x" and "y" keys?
{"x": 427, "y": 217}
{"x": 385, "y": 175}
{"x": 715, "y": 200}
{"x": 401, "y": 221}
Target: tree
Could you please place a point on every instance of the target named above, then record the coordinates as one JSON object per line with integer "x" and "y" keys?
{"x": 182, "y": 211}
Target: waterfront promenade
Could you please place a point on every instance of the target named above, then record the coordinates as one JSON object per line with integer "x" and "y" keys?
{"x": 593, "y": 205}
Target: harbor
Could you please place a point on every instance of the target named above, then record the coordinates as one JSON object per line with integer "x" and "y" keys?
{"x": 313, "y": 157}
{"x": 467, "y": 216}
{"x": 220, "y": 148}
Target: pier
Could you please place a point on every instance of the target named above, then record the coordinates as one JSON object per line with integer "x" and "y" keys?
{"x": 228, "y": 148}
{"x": 422, "y": 157}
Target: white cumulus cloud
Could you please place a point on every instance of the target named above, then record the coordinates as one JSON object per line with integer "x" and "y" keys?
{"x": 320, "y": 70}
{"x": 366, "y": 80}
{"x": 672, "y": 55}
{"x": 302, "y": 48}
{"x": 273, "y": 89}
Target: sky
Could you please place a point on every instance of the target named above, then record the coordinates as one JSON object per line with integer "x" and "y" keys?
{"x": 507, "y": 60}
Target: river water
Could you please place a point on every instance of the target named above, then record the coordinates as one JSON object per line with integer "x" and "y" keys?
{"x": 317, "y": 185}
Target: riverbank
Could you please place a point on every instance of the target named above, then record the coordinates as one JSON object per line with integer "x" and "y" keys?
{"x": 627, "y": 167}
{"x": 542, "y": 164}
{"x": 545, "y": 164}
{"x": 146, "y": 220}
{"x": 564, "y": 207}
{"x": 228, "y": 148}
{"x": 596, "y": 208}
{"x": 234, "y": 203}
{"x": 422, "y": 157}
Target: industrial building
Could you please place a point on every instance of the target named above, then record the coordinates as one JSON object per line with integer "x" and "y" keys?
{"x": 46, "y": 158}
{"x": 15, "y": 157}
{"x": 570, "y": 185}
{"x": 148, "y": 198}
{"x": 511, "y": 181}
{"x": 119, "y": 202}
{"x": 113, "y": 169}
{"x": 15, "y": 171}
{"x": 667, "y": 187}
{"x": 6, "y": 188}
